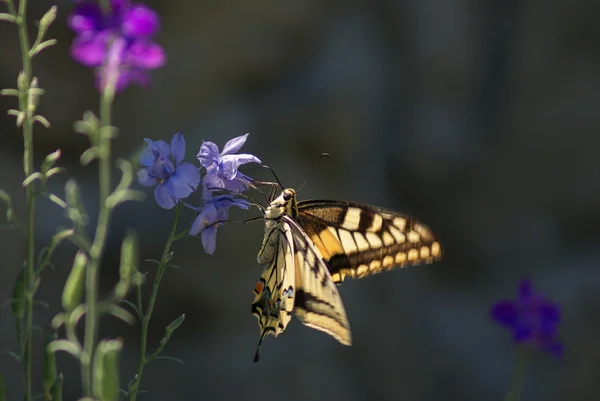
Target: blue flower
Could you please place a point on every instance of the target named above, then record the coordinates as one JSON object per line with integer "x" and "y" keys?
{"x": 531, "y": 319}
{"x": 213, "y": 212}
{"x": 222, "y": 168}
{"x": 175, "y": 181}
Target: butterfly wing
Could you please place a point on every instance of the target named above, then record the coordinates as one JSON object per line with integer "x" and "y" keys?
{"x": 317, "y": 301}
{"x": 359, "y": 240}
{"x": 274, "y": 292}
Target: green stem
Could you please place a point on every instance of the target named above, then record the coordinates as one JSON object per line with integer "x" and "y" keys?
{"x": 97, "y": 248}
{"x": 28, "y": 167}
{"x": 162, "y": 267}
{"x": 522, "y": 359}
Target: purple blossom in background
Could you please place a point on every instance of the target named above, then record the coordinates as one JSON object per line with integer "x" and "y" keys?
{"x": 531, "y": 319}
{"x": 222, "y": 168}
{"x": 212, "y": 213}
{"x": 117, "y": 42}
{"x": 175, "y": 181}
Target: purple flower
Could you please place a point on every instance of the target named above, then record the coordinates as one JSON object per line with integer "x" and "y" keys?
{"x": 175, "y": 181}
{"x": 222, "y": 168}
{"x": 213, "y": 212}
{"x": 531, "y": 319}
{"x": 117, "y": 42}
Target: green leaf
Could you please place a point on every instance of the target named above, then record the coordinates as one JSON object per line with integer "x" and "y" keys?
{"x": 75, "y": 211}
{"x": 73, "y": 290}
{"x": 105, "y": 375}
{"x": 58, "y": 320}
{"x": 48, "y": 17}
{"x": 76, "y": 315}
{"x": 32, "y": 178}
{"x": 49, "y": 371}
{"x": 66, "y": 346}
{"x": 14, "y": 355}
{"x": 45, "y": 44}
{"x": 123, "y": 196}
{"x": 169, "y": 358}
{"x": 9, "y": 92}
{"x": 134, "y": 307}
{"x": 42, "y": 120}
{"x": 120, "y": 313}
{"x": 88, "y": 126}
{"x": 174, "y": 325}
{"x": 89, "y": 155}
{"x": 57, "y": 388}
{"x": 129, "y": 263}
{"x": 54, "y": 171}
{"x": 50, "y": 161}
{"x": 7, "y": 17}
{"x": 58, "y": 201}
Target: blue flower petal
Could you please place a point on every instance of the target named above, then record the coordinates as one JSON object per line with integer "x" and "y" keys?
{"x": 163, "y": 198}
{"x": 208, "y": 154}
{"x": 213, "y": 182}
{"x": 522, "y": 333}
{"x": 178, "y": 148}
{"x": 207, "y": 216}
{"x": 209, "y": 239}
{"x": 550, "y": 312}
{"x": 505, "y": 312}
{"x": 162, "y": 147}
{"x": 147, "y": 157}
{"x": 145, "y": 179}
{"x": 229, "y": 164}
{"x": 184, "y": 181}
{"x": 234, "y": 145}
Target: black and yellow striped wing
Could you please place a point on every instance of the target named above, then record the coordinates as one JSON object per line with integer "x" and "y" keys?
{"x": 297, "y": 279}
{"x": 359, "y": 240}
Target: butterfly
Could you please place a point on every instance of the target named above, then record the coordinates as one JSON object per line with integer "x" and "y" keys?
{"x": 309, "y": 248}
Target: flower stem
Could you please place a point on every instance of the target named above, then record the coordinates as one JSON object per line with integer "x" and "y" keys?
{"x": 522, "y": 359}
{"x": 162, "y": 267}
{"x": 28, "y": 167}
{"x": 97, "y": 248}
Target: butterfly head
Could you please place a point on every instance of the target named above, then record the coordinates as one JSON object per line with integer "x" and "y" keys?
{"x": 285, "y": 203}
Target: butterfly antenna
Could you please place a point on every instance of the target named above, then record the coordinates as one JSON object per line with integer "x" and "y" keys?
{"x": 313, "y": 169}
{"x": 274, "y": 175}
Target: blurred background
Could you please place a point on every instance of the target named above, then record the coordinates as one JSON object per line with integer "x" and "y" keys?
{"x": 479, "y": 117}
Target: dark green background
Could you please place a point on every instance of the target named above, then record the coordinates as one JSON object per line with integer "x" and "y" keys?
{"x": 480, "y": 117}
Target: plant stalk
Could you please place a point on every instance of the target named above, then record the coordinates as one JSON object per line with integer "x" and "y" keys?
{"x": 164, "y": 261}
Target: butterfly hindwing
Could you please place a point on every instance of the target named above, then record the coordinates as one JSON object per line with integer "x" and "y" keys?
{"x": 359, "y": 240}
{"x": 274, "y": 292}
{"x": 318, "y": 303}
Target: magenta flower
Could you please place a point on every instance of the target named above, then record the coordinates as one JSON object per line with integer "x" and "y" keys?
{"x": 222, "y": 168}
{"x": 532, "y": 319}
{"x": 117, "y": 41}
{"x": 174, "y": 180}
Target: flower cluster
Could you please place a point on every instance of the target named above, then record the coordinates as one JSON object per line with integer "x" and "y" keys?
{"x": 117, "y": 42}
{"x": 176, "y": 180}
{"x": 532, "y": 319}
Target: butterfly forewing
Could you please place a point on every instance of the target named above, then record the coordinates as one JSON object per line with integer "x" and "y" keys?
{"x": 359, "y": 240}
